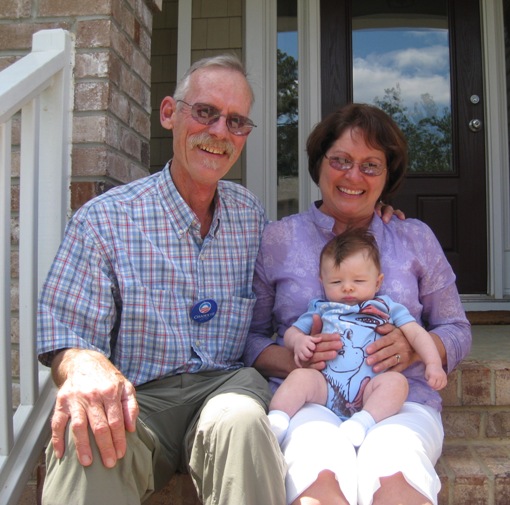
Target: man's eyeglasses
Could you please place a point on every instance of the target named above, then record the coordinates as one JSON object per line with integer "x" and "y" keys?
{"x": 208, "y": 115}
{"x": 370, "y": 168}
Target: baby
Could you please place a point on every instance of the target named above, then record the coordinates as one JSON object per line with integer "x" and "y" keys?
{"x": 351, "y": 276}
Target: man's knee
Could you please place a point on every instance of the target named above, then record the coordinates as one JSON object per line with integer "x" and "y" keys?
{"x": 233, "y": 410}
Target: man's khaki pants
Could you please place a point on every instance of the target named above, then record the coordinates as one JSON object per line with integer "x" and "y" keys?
{"x": 212, "y": 424}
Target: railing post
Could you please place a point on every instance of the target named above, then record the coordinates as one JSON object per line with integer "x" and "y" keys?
{"x": 28, "y": 220}
{"x": 6, "y": 434}
{"x": 40, "y": 86}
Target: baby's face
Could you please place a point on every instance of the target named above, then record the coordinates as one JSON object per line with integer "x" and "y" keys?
{"x": 356, "y": 279}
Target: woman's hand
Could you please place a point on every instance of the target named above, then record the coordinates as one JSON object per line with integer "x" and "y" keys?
{"x": 391, "y": 351}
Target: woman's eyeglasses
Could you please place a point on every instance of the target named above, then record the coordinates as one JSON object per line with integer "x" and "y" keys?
{"x": 370, "y": 168}
{"x": 208, "y": 114}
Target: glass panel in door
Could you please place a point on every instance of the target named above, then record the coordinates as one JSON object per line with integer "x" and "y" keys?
{"x": 287, "y": 108}
{"x": 401, "y": 63}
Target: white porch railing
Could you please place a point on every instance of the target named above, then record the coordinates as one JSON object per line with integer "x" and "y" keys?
{"x": 40, "y": 86}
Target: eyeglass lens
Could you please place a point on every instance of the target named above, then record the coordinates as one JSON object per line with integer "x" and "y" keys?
{"x": 208, "y": 115}
{"x": 344, "y": 164}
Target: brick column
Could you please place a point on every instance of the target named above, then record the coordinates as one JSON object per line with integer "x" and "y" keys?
{"x": 111, "y": 125}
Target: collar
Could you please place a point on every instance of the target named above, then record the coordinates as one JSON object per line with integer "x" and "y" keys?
{"x": 182, "y": 217}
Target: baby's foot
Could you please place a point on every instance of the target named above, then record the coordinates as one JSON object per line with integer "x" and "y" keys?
{"x": 356, "y": 428}
{"x": 279, "y": 422}
{"x": 354, "y": 432}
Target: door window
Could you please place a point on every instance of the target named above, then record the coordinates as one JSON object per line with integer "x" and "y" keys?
{"x": 287, "y": 108}
{"x": 401, "y": 63}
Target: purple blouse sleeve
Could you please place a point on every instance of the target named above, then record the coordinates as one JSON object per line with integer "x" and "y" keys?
{"x": 420, "y": 277}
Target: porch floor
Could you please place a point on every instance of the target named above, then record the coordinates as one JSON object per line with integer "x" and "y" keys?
{"x": 490, "y": 342}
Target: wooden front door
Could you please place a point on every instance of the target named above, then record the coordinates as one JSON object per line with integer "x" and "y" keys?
{"x": 421, "y": 62}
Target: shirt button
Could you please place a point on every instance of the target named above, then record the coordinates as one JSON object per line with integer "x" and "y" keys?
{"x": 197, "y": 343}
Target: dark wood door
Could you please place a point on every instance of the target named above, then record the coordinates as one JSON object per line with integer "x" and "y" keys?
{"x": 446, "y": 184}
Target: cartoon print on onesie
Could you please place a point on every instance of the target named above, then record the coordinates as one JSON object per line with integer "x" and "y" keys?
{"x": 348, "y": 374}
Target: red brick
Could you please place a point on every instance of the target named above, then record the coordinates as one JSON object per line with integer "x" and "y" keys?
{"x": 74, "y": 8}
{"x": 502, "y": 383}
{"x": 502, "y": 489}
{"x": 498, "y": 424}
{"x": 140, "y": 121}
{"x": 472, "y": 491}
{"x": 90, "y": 160}
{"x": 18, "y": 36}
{"x": 461, "y": 424}
{"x": 92, "y": 65}
{"x": 142, "y": 66}
{"x": 16, "y": 9}
{"x": 122, "y": 45}
{"x": 119, "y": 105}
{"x": 495, "y": 457}
{"x": 82, "y": 192}
{"x": 91, "y": 96}
{"x": 93, "y": 33}
{"x": 89, "y": 128}
{"x": 476, "y": 384}
{"x": 449, "y": 393}
{"x": 124, "y": 17}
{"x": 130, "y": 143}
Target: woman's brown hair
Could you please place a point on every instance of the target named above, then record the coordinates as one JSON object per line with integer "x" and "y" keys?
{"x": 379, "y": 131}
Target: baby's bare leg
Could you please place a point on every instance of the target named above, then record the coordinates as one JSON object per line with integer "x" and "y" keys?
{"x": 303, "y": 385}
{"x": 383, "y": 397}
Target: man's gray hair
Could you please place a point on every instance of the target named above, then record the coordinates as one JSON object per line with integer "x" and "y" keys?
{"x": 228, "y": 61}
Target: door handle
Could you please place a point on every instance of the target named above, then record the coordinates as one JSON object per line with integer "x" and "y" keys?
{"x": 475, "y": 125}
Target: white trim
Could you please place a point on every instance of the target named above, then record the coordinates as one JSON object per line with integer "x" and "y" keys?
{"x": 309, "y": 68}
{"x": 496, "y": 131}
{"x": 184, "y": 37}
{"x": 260, "y": 55}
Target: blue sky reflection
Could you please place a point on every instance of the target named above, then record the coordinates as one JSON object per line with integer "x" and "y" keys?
{"x": 417, "y": 60}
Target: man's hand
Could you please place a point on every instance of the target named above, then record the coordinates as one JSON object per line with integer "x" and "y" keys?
{"x": 385, "y": 212}
{"x": 327, "y": 348}
{"x": 92, "y": 393}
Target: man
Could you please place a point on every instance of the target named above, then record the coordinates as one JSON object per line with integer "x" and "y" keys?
{"x": 144, "y": 316}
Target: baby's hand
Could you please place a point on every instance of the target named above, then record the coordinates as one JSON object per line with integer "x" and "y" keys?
{"x": 303, "y": 355}
{"x": 436, "y": 377}
{"x": 304, "y": 350}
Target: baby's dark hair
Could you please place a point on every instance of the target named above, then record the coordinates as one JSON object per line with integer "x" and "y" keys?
{"x": 349, "y": 242}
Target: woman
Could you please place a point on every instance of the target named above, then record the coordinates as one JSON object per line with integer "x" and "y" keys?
{"x": 358, "y": 156}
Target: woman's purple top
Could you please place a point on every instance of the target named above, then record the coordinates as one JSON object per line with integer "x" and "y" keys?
{"x": 416, "y": 274}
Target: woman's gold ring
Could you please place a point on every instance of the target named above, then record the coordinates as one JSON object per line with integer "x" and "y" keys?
{"x": 398, "y": 358}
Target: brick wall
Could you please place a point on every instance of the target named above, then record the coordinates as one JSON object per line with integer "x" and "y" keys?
{"x": 111, "y": 125}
